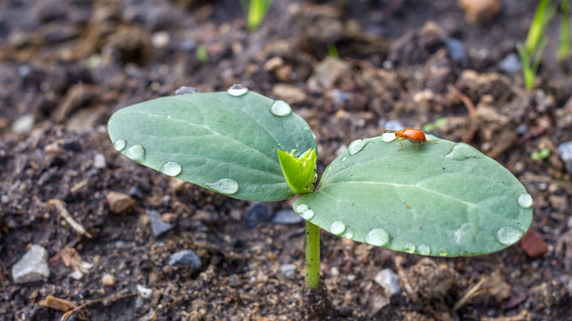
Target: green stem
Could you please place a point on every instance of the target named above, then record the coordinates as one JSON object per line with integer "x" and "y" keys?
{"x": 312, "y": 255}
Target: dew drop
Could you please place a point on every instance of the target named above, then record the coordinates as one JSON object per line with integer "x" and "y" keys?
{"x": 307, "y": 215}
{"x": 224, "y": 186}
{"x": 409, "y": 248}
{"x": 136, "y": 153}
{"x": 301, "y": 208}
{"x": 443, "y": 253}
{"x": 356, "y": 146}
{"x": 314, "y": 135}
{"x": 377, "y": 237}
{"x": 388, "y": 137}
{"x": 237, "y": 90}
{"x": 508, "y": 235}
{"x": 461, "y": 152}
{"x": 424, "y": 249}
{"x": 120, "y": 144}
{"x": 349, "y": 235}
{"x": 171, "y": 169}
{"x": 337, "y": 227}
{"x": 186, "y": 90}
{"x": 525, "y": 200}
{"x": 344, "y": 159}
{"x": 280, "y": 108}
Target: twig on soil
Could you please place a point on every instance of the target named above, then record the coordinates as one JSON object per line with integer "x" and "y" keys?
{"x": 59, "y": 205}
{"x": 412, "y": 295}
{"x": 468, "y": 103}
{"x": 108, "y": 300}
{"x": 469, "y": 295}
{"x": 57, "y": 303}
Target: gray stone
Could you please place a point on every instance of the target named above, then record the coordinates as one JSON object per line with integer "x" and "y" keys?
{"x": 158, "y": 227}
{"x": 257, "y": 213}
{"x": 286, "y": 217}
{"x": 394, "y": 124}
{"x": 288, "y": 269}
{"x": 456, "y": 49}
{"x": 99, "y": 161}
{"x": 565, "y": 150}
{"x": 510, "y": 64}
{"x": 32, "y": 267}
{"x": 186, "y": 257}
{"x": 389, "y": 281}
{"x": 23, "y": 124}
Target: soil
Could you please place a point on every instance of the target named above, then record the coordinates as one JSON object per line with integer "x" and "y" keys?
{"x": 68, "y": 65}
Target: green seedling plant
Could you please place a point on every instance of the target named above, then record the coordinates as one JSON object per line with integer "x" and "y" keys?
{"x": 540, "y": 155}
{"x": 255, "y": 11}
{"x": 441, "y": 122}
{"x": 447, "y": 199}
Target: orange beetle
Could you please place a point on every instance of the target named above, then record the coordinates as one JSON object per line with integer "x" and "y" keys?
{"x": 412, "y": 135}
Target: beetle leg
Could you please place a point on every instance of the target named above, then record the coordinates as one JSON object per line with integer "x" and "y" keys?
{"x": 400, "y": 143}
{"x": 414, "y": 145}
{"x": 431, "y": 142}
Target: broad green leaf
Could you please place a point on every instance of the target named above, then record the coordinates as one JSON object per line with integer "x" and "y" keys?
{"x": 223, "y": 142}
{"x": 445, "y": 200}
{"x": 300, "y": 172}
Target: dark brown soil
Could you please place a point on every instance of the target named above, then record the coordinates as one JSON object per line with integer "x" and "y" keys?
{"x": 71, "y": 64}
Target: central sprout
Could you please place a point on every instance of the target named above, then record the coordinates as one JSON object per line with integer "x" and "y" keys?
{"x": 300, "y": 172}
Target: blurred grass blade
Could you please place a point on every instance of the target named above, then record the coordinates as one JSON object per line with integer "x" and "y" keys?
{"x": 255, "y": 11}
{"x": 564, "y": 47}
{"x": 542, "y": 17}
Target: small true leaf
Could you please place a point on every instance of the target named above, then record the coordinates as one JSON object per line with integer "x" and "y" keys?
{"x": 225, "y": 142}
{"x": 300, "y": 172}
{"x": 445, "y": 200}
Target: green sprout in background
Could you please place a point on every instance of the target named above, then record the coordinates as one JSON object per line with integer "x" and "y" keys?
{"x": 333, "y": 51}
{"x": 564, "y": 47}
{"x": 255, "y": 11}
{"x": 447, "y": 199}
{"x": 202, "y": 54}
{"x": 436, "y": 125}
{"x": 542, "y": 154}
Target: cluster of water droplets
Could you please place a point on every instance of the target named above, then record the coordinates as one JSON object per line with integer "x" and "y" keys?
{"x": 237, "y": 90}
{"x": 304, "y": 212}
{"x": 224, "y": 186}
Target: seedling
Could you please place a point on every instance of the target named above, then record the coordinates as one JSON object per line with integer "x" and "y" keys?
{"x": 202, "y": 54}
{"x": 255, "y": 11}
{"x": 542, "y": 154}
{"x": 447, "y": 199}
{"x": 436, "y": 125}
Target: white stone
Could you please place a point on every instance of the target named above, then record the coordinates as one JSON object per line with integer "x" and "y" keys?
{"x": 32, "y": 267}
{"x": 99, "y": 161}
{"x": 389, "y": 281}
{"x": 288, "y": 269}
{"x": 23, "y": 124}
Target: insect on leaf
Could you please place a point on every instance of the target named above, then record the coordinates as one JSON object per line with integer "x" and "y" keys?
{"x": 224, "y": 141}
{"x": 445, "y": 200}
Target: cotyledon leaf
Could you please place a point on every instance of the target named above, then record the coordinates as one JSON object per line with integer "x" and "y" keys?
{"x": 223, "y": 141}
{"x": 448, "y": 199}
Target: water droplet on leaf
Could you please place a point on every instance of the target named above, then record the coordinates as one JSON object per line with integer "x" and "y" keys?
{"x": 280, "y": 108}
{"x": 344, "y": 159}
{"x": 388, "y": 137}
{"x": 136, "y": 153}
{"x": 466, "y": 234}
{"x": 356, "y": 146}
{"x": 461, "y": 152}
{"x": 301, "y": 208}
{"x": 409, "y": 248}
{"x": 443, "y": 253}
{"x": 224, "y": 186}
{"x": 338, "y": 227}
{"x": 186, "y": 90}
{"x": 377, "y": 237}
{"x": 171, "y": 169}
{"x": 119, "y": 144}
{"x": 508, "y": 235}
{"x": 525, "y": 200}
{"x": 424, "y": 249}
{"x": 237, "y": 90}
{"x": 307, "y": 215}
{"x": 349, "y": 235}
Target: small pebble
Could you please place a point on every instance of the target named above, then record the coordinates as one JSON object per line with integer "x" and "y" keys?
{"x": 565, "y": 150}
{"x": 32, "y": 267}
{"x": 286, "y": 217}
{"x": 351, "y": 277}
{"x": 108, "y": 280}
{"x": 76, "y": 275}
{"x": 257, "y": 213}
{"x": 335, "y": 271}
{"x": 288, "y": 269}
{"x": 144, "y": 292}
{"x": 186, "y": 257}
{"x": 160, "y": 39}
{"x": 456, "y": 49}
{"x": 23, "y": 124}
{"x": 158, "y": 227}
{"x": 119, "y": 202}
{"x": 99, "y": 161}
{"x": 533, "y": 244}
{"x": 510, "y": 64}
{"x": 389, "y": 281}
